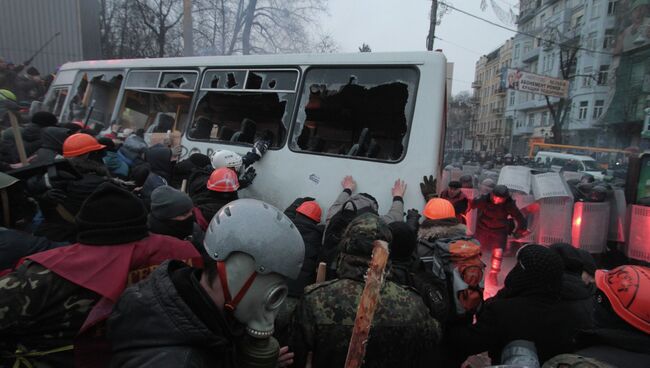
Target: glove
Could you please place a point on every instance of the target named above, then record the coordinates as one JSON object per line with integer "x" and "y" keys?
{"x": 53, "y": 197}
{"x": 247, "y": 178}
{"x": 176, "y": 151}
{"x": 260, "y": 147}
{"x": 413, "y": 219}
{"x": 428, "y": 187}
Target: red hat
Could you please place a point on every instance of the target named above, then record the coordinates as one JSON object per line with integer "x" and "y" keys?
{"x": 79, "y": 144}
{"x": 223, "y": 180}
{"x": 628, "y": 290}
{"x": 310, "y": 209}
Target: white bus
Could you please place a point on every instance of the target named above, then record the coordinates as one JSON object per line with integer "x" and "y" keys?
{"x": 376, "y": 116}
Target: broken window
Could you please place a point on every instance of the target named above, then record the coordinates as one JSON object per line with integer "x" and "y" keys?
{"x": 56, "y": 100}
{"x": 94, "y": 97}
{"x": 242, "y": 106}
{"x": 157, "y": 102}
{"x": 356, "y": 112}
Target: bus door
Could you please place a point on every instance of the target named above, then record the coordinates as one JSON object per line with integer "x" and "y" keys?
{"x": 158, "y": 102}
{"x": 57, "y": 96}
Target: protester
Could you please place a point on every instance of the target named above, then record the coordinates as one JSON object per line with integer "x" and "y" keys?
{"x": 221, "y": 316}
{"x": 52, "y": 139}
{"x": 184, "y": 169}
{"x": 402, "y": 332}
{"x": 132, "y": 151}
{"x": 520, "y": 311}
{"x": 221, "y": 189}
{"x": 457, "y": 198}
{"x": 493, "y": 225}
{"x": 440, "y": 222}
{"x": 171, "y": 213}
{"x": 57, "y": 300}
{"x": 487, "y": 186}
{"x": 159, "y": 159}
{"x": 117, "y": 167}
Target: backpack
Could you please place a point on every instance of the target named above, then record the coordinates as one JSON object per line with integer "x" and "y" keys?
{"x": 334, "y": 232}
{"x": 457, "y": 261}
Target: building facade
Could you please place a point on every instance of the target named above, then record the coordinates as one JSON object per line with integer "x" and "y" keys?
{"x": 490, "y": 131}
{"x": 27, "y": 25}
{"x": 551, "y": 32}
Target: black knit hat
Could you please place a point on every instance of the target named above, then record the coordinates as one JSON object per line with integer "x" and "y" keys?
{"x": 404, "y": 240}
{"x": 538, "y": 271}
{"x": 111, "y": 215}
{"x": 44, "y": 119}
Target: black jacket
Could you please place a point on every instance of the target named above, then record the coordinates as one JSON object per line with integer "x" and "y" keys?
{"x": 210, "y": 202}
{"x": 312, "y": 234}
{"x": 15, "y": 245}
{"x": 494, "y": 217}
{"x": 625, "y": 347}
{"x": 52, "y": 139}
{"x": 168, "y": 320}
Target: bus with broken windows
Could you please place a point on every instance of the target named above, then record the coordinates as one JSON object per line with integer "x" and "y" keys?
{"x": 376, "y": 116}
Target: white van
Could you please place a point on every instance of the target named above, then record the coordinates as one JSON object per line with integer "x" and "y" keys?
{"x": 569, "y": 162}
{"x": 376, "y": 116}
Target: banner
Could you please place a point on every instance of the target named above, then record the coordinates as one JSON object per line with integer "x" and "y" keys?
{"x": 535, "y": 83}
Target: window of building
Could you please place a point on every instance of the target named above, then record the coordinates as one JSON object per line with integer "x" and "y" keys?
{"x": 595, "y": 8}
{"x": 611, "y": 7}
{"x": 531, "y": 120}
{"x": 582, "y": 111}
{"x": 242, "y": 106}
{"x": 598, "y": 108}
{"x": 587, "y": 78}
{"x": 516, "y": 52}
{"x": 591, "y": 40}
{"x": 555, "y": 9}
{"x": 603, "y": 75}
{"x": 544, "y": 119}
{"x": 360, "y": 112}
{"x": 608, "y": 41}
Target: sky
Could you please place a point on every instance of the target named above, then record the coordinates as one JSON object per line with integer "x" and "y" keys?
{"x": 402, "y": 25}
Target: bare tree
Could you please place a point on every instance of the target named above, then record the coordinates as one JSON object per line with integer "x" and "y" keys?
{"x": 160, "y": 17}
{"x": 365, "y": 48}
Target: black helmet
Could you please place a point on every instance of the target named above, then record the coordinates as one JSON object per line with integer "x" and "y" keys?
{"x": 501, "y": 191}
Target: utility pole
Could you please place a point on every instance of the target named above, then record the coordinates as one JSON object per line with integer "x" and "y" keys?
{"x": 432, "y": 24}
{"x": 188, "y": 40}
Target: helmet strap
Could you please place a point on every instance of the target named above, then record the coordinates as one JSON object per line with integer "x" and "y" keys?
{"x": 231, "y": 304}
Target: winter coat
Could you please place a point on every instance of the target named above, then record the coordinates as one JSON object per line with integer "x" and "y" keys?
{"x": 431, "y": 231}
{"x": 210, "y": 202}
{"x": 311, "y": 233}
{"x": 52, "y": 139}
{"x": 494, "y": 217}
{"x": 161, "y": 323}
{"x": 627, "y": 348}
{"x": 115, "y": 165}
{"x": 58, "y": 291}
{"x": 402, "y": 335}
{"x": 131, "y": 150}
{"x": 15, "y": 245}
{"x": 396, "y": 212}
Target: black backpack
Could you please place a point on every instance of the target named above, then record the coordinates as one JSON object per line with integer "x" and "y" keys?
{"x": 334, "y": 232}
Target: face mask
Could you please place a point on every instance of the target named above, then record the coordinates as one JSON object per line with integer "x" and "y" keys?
{"x": 178, "y": 229}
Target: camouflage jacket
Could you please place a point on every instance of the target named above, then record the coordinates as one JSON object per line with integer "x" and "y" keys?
{"x": 402, "y": 334}
{"x": 41, "y": 311}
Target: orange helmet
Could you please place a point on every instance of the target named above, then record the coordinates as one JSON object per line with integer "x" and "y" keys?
{"x": 310, "y": 209}
{"x": 223, "y": 180}
{"x": 79, "y": 144}
{"x": 438, "y": 208}
{"x": 628, "y": 290}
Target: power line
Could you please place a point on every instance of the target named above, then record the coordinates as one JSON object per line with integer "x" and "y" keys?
{"x": 460, "y": 46}
{"x": 521, "y": 32}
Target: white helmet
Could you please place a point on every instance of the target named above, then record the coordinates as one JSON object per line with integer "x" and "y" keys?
{"x": 225, "y": 158}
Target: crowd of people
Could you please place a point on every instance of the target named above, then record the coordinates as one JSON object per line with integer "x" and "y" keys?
{"x": 116, "y": 253}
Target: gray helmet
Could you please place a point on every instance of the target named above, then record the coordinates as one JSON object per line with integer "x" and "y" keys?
{"x": 260, "y": 230}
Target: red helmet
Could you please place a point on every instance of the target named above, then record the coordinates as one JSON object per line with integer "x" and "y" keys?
{"x": 438, "y": 208}
{"x": 628, "y": 290}
{"x": 223, "y": 180}
{"x": 310, "y": 209}
{"x": 79, "y": 144}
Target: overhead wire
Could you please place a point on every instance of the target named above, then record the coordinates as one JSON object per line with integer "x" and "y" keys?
{"x": 521, "y": 32}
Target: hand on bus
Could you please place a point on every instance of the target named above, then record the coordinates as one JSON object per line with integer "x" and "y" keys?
{"x": 428, "y": 187}
{"x": 399, "y": 188}
{"x": 349, "y": 183}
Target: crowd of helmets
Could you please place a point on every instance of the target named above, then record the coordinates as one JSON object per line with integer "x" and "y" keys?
{"x": 93, "y": 225}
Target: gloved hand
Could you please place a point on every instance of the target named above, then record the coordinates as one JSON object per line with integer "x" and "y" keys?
{"x": 53, "y": 197}
{"x": 176, "y": 151}
{"x": 413, "y": 219}
{"x": 247, "y": 177}
{"x": 428, "y": 187}
{"x": 260, "y": 147}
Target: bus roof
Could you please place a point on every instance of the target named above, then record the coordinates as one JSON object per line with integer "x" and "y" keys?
{"x": 378, "y": 58}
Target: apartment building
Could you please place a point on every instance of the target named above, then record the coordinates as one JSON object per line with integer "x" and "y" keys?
{"x": 489, "y": 129}
{"x": 550, "y": 30}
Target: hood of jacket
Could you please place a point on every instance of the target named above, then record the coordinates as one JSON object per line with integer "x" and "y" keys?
{"x": 153, "y": 315}
{"x": 433, "y": 230}
{"x": 53, "y": 137}
{"x": 159, "y": 159}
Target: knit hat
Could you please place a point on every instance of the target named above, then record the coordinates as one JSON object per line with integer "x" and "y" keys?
{"x": 167, "y": 203}
{"x": 44, "y": 119}
{"x": 362, "y": 232}
{"x": 454, "y": 184}
{"x": 570, "y": 257}
{"x": 538, "y": 271}
{"x": 111, "y": 215}
{"x": 404, "y": 240}
{"x": 199, "y": 160}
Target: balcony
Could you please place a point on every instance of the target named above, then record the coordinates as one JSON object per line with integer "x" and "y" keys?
{"x": 526, "y": 15}
{"x": 498, "y": 111}
{"x": 502, "y": 91}
{"x": 572, "y": 35}
{"x": 531, "y": 55}
{"x": 477, "y": 84}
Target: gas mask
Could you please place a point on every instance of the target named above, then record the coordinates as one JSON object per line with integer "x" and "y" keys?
{"x": 254, "y": 300}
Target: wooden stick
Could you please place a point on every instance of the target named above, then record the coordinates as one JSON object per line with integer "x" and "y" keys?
{"x": 184, "y": 185}
{"x": 20, "y": 145}
{"x": 367, "y": 305}
{"x": 321, "y": 272}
